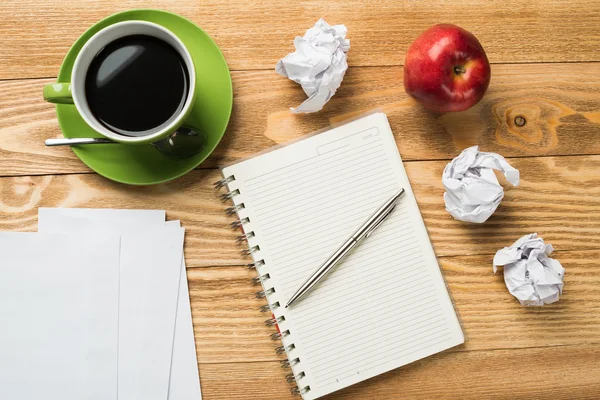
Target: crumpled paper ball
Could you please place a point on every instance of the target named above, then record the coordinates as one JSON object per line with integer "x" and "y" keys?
{"x": 530, "y": 275}
{"x": 318, "y": 64}
{"x": 472, "y": 189}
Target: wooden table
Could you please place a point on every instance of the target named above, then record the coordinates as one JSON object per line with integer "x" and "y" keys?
{"x": 546, "y": 68}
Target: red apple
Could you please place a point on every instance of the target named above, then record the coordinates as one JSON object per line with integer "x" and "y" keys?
{"x": 446, "y": 69}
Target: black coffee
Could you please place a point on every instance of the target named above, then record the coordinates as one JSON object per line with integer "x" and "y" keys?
{"x": 135, "y": 84}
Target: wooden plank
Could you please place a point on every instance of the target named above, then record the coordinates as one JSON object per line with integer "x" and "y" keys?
{"x": 227, "y": 322}
{"x": 255, "y": 34}
{"x": 26, "y": 120}
{"x": 229, "y": 327}
{"x": 562, "y": 373}
{"x": 561, "y": 103}
{"x": 558, "y": 197}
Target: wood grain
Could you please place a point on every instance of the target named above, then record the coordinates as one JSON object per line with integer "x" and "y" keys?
{"x": 26, "y": 120}
{"x": 562, "y": 373}
{"x": 559, "y": 197}
{"x": 545, "y": 55}
{"x": 560, "y": 102}
{"x": 36, "y": 35}
{"x": 229, "y": 327}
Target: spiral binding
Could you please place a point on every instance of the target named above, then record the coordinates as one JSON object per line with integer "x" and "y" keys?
{"x": 280, "y": 335}
{"x": 269, "y": 307}
{"x": 233, "y": 210}
{"x": 229, "y": 195}
{"x": 262, "y": 278}
{"x": 223, "y": 182}
{"x": 285, "y": 349}
{"x": 287, "y": 363}
{"x": 296, "y": 390}
{"x": 291, "y": 377}
{"x": 264, "y": 293}
{"x": 274, "y": 321}
{"x": 255, "y": 264}
{"x": 250, "y": 250}
{"x": 244, "y": 237}
{"x": 238, "y": 223}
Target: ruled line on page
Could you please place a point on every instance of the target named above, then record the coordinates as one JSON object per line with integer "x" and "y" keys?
{"x": 324, "y": 188}
{"x": 322, "y": 160}
{"x": 290, "y": 187}
{"x": 328, "y": 236}
{"x": 344, "y": 211}
{"x": 423, "y": 306}
{"x": 416, "y": 339}
{"x": 306, "y": 268}
{"x": 419, "y": 329}
{"x": 417, "y": 285}
{"x": 434, "y": 340}
{"x": 332, "y": 196}
{"x": 349, "y": 322}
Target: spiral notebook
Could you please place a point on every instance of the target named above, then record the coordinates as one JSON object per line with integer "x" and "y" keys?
{"x": 386, "y": 305}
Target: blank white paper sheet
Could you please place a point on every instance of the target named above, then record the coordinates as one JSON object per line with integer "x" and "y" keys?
{"x": 59, "y": 311}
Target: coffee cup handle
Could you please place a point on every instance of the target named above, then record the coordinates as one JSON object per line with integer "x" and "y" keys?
{"x": 58, "y": 93}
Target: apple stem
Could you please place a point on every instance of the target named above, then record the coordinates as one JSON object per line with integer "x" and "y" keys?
{"x": 459, "y": 69}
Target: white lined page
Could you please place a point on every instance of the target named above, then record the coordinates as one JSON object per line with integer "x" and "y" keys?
{"x": 386, "y": 304}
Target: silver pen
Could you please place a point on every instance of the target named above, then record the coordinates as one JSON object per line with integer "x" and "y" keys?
{"x": 361, "y": 233}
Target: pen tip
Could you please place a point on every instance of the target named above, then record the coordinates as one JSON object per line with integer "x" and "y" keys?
{"x": 287, "y": 305}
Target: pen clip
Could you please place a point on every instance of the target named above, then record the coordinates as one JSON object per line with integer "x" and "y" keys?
{"x": 380, "y": 220}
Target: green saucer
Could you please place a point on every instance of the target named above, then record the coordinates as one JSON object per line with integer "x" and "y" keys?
{"x": 142, "y": 164}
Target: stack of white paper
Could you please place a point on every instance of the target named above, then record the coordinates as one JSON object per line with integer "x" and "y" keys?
{"x": 96, "y": 306}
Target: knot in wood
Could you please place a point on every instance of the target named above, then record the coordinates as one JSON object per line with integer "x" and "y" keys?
{"x": 520, "y": 120}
